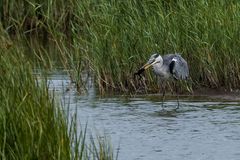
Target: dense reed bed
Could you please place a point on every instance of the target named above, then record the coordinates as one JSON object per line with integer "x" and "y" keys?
{"x": 32, "y": 123}
{"x": 114, "y": 38}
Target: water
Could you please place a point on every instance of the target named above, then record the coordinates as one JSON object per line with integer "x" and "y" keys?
{"x": 198, "y": 130}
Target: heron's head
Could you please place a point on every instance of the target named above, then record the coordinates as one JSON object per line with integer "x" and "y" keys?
{"x": 155, "y": 58}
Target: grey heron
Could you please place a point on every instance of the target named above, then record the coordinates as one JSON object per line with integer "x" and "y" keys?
{"x": 168, "y": 67}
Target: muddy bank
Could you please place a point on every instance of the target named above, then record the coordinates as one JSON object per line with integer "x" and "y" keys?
{"x": 219, "y": 94}
{"x": 201, "y": 94}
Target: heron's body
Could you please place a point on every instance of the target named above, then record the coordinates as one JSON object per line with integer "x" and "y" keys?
{"x": 170, "y": 66}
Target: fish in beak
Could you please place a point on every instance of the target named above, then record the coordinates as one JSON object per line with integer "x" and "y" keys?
{"x": 145, "y": 66}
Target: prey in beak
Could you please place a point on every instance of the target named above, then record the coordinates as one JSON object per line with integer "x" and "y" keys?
{"x": 144, "y": 67}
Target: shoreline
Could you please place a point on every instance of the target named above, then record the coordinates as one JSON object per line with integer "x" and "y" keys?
{"x": 219, "y": 93}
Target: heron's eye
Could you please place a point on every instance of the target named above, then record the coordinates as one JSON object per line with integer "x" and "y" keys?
{"x": 156, "y": 55}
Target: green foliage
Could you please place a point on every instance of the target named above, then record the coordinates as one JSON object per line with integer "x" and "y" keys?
{"x": 114, "y": 38}
{"x": 32, "y": 123}
{"x": 32, "y": 126}
{"x": 123, "y": 34}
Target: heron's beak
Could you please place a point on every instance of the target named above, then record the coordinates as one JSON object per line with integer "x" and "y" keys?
{"x": 144, "y": 67}
{"x": 147, "y": 65}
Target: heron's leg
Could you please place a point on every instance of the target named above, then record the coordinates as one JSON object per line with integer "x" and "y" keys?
{"x": 177, "y": 89}
{"x": 163, "y": 93}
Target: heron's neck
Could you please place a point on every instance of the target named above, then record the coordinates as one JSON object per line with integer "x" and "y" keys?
{"x": 158, "y": 65}
{"x": 158, "y": 68}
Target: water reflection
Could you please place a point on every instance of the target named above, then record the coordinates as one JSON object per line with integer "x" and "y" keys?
{"x": 198, "y": 130}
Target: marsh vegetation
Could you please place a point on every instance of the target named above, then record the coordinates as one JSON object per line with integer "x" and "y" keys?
{"x": 114, "y": 38}
{"x": 108, "y": 40}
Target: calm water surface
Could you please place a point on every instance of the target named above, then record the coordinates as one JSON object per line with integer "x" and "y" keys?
{"x": 199, "y": 130}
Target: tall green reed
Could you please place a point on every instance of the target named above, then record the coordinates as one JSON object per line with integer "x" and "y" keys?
{"x": 123, "y": 34}
{"x": 32, "y": 123}
{"x": 114, "y": 38}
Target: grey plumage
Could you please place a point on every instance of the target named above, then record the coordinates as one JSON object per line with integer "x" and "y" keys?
{"x": 179, "y": 66}
{"x": 170, "y": 66}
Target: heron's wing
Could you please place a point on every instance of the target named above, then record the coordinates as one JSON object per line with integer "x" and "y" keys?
{"x": 178, "y": 67}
